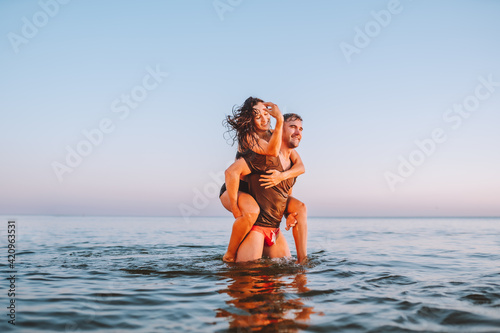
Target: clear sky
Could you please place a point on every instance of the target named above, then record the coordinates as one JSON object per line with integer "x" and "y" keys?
{"x": 116, "y": 107}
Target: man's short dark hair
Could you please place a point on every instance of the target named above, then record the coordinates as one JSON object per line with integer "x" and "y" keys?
{"x": 291, "y": 117}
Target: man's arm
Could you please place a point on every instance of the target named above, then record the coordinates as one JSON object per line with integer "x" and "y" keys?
{"x": 297, "y": 168}
{"x": 232, "y": 174}
{"x": 289, "y": 215}
{"x": 274, "y": 177}
{"x": 299, "y": 231}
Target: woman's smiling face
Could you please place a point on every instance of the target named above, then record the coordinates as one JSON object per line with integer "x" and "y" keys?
{"x": 261, "y": 119}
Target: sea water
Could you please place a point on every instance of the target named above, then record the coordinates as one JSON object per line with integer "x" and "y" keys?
{"x": 143, "y": 274}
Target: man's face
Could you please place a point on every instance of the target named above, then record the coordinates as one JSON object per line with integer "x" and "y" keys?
{"x": 292, "y": 133}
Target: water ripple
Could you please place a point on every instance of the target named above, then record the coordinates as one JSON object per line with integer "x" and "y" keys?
{"x": 362, "y": 276}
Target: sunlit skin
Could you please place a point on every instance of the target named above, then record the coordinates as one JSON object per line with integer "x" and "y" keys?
{"x": 242, "y": 205}
{"x": 292, "y": 134}
{"x": 262, "y": 119}
{"x": 272, "y": 307}
{"x": 253, "y": 246}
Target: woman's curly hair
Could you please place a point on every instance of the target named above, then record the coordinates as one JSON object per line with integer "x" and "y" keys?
{"x": 240, "y": 125}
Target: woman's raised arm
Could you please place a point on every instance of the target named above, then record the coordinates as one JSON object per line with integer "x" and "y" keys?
{"x": 271, "y": 148}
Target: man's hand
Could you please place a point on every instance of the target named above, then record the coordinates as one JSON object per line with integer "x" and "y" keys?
{"x": 291, "y": 221}
{"x": 273, "y": 179}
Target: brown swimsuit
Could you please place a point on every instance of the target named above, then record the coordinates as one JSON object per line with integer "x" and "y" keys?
{"x": 272, "y": 201}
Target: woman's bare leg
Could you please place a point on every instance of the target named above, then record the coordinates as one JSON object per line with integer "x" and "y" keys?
{"x": 250, "y": 211}
{"x": 300, "y": 230}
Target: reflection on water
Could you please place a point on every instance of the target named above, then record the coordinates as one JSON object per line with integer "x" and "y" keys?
{"x": 266, "y": 295}
{"x": 365, "y": 275}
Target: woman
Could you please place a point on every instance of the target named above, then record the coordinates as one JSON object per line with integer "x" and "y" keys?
{"x": 250, "y": 124}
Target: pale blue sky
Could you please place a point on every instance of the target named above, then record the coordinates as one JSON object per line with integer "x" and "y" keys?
{"x": 360, "y": 115}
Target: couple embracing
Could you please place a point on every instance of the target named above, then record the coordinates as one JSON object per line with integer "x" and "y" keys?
{"x": 258, "y": 187}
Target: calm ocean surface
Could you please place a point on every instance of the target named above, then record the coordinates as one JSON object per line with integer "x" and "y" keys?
{"x": 115, "y": 274}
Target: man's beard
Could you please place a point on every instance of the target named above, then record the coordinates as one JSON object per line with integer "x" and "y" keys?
{"x": 293, "y": 143}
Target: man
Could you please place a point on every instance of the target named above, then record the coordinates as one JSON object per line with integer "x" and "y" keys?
{"x": 264, "y": 238}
